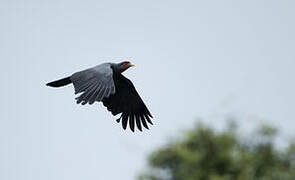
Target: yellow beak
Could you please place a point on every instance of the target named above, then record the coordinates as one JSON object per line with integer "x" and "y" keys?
{"x": 132, "y": 65}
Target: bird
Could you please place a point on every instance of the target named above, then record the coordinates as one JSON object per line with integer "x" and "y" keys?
{"x": 105, "y": 83}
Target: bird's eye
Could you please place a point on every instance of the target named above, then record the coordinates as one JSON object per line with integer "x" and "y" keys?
{"x": 125, "y": 64}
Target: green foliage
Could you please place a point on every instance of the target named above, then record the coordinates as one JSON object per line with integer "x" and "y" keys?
{"x": 204, "y": 154}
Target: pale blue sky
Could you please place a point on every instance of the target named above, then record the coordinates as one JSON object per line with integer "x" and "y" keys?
{"x": 193, "y": 59}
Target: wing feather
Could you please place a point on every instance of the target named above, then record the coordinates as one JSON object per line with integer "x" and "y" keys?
{"x": 94, "y": 83}
{"x": 131, "y": 122}
{"x": 94, "y": 95}
{"x": 138, "y": 123}
{"x": 124, "y": 120}
{"x": 148, "y": 118}
{"x": 86, "y": 95}
{"x": 127, "y": 101}
{"x": 143, "y": 122}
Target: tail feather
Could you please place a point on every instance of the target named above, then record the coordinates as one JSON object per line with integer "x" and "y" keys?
{"x": 60, "y": 82}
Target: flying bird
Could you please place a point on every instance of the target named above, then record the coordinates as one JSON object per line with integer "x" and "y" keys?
{"x": 105, "y": 83}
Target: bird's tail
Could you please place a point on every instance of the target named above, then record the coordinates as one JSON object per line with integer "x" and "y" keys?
{"x": 60, "y": 82}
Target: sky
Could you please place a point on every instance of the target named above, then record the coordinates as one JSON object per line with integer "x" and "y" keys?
{"x": 194, "y": 60}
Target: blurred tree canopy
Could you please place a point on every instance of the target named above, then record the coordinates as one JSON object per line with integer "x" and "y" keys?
{"x": 205, "y": 154}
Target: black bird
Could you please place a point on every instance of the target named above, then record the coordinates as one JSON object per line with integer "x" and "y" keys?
{"x": 105, "y": 83}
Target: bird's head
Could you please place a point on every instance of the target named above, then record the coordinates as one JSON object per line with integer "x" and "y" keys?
{"x": 123, "y": 66}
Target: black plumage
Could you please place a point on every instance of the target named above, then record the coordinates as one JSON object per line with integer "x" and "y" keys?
{"x": 127, "y": 101}
{"x": 105, "y": 83}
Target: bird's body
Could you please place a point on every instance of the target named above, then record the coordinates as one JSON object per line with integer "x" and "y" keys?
{"x": 105, "y": 83}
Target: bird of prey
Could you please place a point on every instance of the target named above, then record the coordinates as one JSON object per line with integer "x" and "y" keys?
{"x": 105, "y": 83}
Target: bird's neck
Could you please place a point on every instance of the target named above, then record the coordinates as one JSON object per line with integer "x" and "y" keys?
{"x": 116, "y": 72}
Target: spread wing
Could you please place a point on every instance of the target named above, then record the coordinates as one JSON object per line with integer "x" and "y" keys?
{"x": 127, "y": 101}
{"x": 94, "y": 84}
